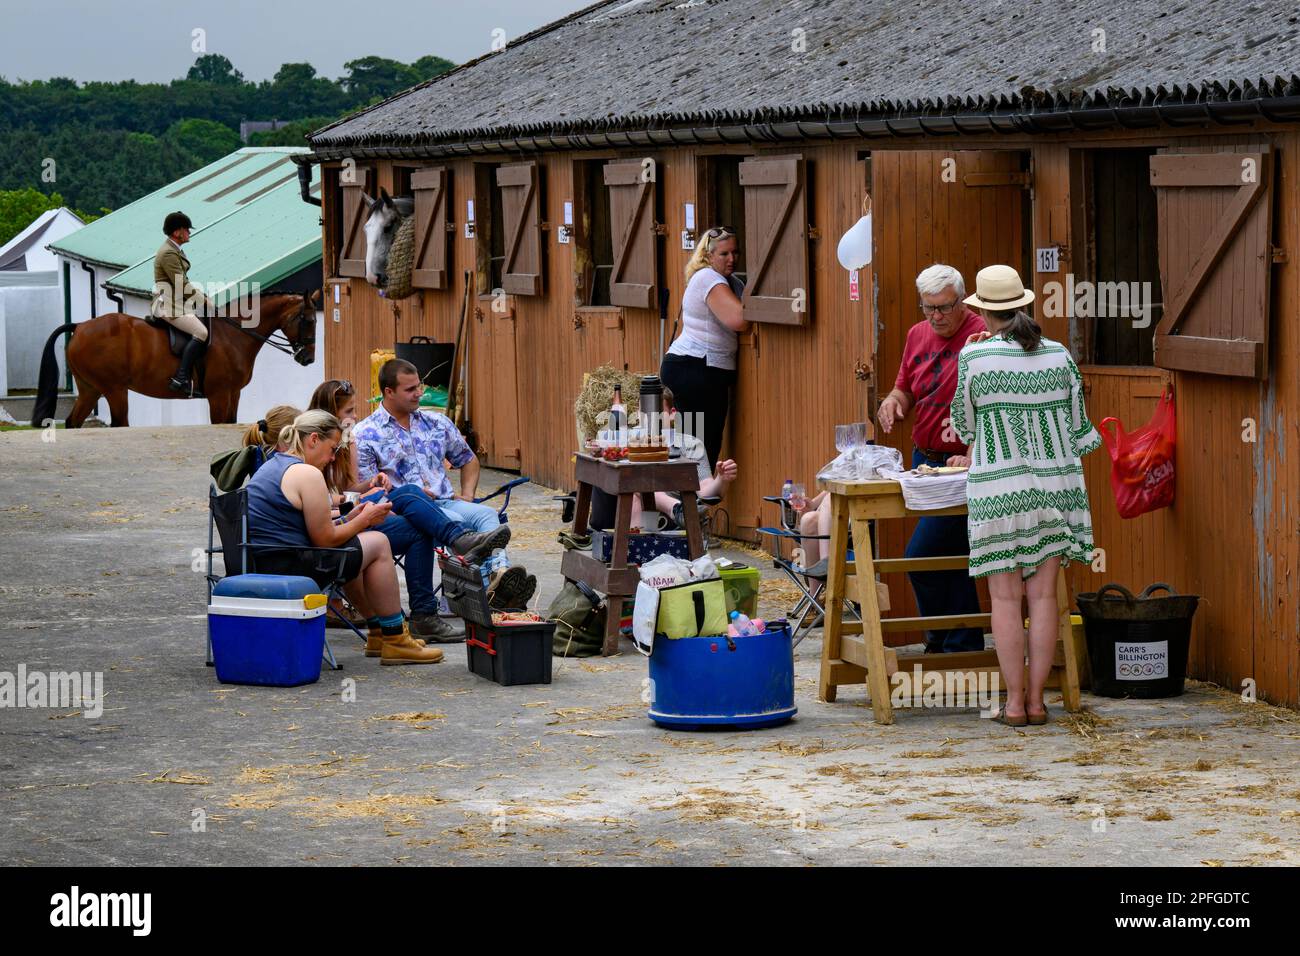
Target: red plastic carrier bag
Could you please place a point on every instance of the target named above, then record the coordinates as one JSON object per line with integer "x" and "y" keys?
{"x": 1142, "y": 462}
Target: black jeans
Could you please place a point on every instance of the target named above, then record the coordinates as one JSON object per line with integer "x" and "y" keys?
{"x": 702, "y": 396}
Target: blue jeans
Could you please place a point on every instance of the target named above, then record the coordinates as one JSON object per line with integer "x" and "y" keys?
{"x": 442, "y": 525}
{"x": 412, "y": 544}
{"x": 944, "y": 592}
{"x": 477, "y": 517}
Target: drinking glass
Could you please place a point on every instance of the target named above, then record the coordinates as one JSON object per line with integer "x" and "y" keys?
{"x": 798, "y": 498}
{"x": 850, "y": 436}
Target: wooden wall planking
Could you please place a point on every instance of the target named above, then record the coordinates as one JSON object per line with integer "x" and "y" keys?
{"x": 1276, "y": 457}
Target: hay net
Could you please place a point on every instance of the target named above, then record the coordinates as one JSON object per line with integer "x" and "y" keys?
{"x": 401, "y": 260}
{"x": 597, "y": 393}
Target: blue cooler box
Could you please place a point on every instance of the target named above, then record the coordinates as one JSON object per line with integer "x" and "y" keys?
{"x": 701, "y": 682}
{"x": 267, "y": 629}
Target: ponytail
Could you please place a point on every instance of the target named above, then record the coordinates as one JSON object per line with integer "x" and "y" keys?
{"x": 315, "y": 422}
{"x": 266, "y": 432}
{"x": 255, "y": 434}
{"x": 1020, "y": 328}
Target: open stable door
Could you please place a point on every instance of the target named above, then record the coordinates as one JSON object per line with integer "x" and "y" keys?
{"x": 1216, "y": 255}
{"x": 352, "y": 241}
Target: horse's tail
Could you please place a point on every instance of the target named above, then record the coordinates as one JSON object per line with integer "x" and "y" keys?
{"x": 47, "y": 385}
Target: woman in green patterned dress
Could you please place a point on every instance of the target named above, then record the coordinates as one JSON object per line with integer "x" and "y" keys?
{"x": 1019, "y": 403}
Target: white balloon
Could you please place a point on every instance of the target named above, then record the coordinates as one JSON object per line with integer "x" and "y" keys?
{"x": 854, "y": 250}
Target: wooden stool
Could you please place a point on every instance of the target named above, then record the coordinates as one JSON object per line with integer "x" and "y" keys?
{"x": 854, "y": 652}
{"x": 625, "y": 480}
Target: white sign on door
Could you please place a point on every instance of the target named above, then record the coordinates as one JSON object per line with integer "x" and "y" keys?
{"x": 1049, "y": 259}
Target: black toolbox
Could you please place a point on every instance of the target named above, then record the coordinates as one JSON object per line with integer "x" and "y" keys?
{"x": 505, "y": 653}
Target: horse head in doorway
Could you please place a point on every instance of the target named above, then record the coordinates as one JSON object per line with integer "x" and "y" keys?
{"x": 386, "y": 215}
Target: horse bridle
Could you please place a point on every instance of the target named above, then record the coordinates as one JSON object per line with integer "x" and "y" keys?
{"x": 306, "y": 320}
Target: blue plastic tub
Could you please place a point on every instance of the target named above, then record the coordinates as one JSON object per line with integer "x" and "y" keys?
{"x": 267, "y": 629}
{"x": 698, "y": 682}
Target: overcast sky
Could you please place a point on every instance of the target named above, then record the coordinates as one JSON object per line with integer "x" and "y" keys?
{"x": 151, "y": 40}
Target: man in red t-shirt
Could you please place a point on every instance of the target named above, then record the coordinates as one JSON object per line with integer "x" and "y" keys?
{"x": 926, "y": 383}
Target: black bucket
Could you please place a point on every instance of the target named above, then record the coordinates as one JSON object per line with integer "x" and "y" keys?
{"x": 431, "y": 359}
{"x": 1137, "y": 646}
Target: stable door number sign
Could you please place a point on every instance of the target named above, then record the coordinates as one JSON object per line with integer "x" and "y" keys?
{"x": 1146, "y": 661}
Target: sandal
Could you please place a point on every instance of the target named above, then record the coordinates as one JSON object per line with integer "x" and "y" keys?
{"x": 1036, "y": 720}
{"x": 1001, "y": 718}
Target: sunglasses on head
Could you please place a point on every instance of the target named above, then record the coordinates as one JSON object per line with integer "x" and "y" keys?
{"x": 345, "y": 388}
{"x": 720, "y": 232}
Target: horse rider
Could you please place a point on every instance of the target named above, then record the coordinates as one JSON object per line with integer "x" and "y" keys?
{"x": 174, "y": 298}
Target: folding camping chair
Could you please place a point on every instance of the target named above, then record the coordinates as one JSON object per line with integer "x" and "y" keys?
{"x": 228, "y": 516}
{"x": 809, "y": 606}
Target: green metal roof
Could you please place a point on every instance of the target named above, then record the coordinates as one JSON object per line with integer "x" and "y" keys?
{"x": 250, "y": 225}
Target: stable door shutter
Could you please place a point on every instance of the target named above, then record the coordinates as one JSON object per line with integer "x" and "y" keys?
{"x": 432, "y": 202}
{"x": 352, "y": 246}
{"x": 1215, "y": 229}
{"x": 776, "y": 227}
{"x": 631, "y": 186}
{"x": 521, "y": 273}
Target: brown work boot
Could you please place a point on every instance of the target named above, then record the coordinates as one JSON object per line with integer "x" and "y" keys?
{"x": 375, "y": 641}
{"x": 403, "y": 649}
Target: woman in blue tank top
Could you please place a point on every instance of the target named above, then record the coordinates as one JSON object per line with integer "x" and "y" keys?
{"x": 289, "y": 508}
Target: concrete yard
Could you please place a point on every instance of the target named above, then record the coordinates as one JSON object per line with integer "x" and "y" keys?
{"x": 98, "y": 572}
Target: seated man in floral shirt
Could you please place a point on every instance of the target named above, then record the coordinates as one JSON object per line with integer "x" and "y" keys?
{"x": 409, "y": 445}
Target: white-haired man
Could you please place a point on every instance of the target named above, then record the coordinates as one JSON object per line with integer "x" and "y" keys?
{"x": 926, "y": 383}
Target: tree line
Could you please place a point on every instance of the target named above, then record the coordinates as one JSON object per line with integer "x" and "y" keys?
{"x": 97, "y": 146}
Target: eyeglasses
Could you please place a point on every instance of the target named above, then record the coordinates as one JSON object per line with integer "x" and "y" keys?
{"x": 940, "y": 309}
{"x": 345, "y": 387}
{"x": 720, "y": 232}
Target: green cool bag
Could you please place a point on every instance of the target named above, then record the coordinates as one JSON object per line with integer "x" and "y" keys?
{"x": 694, "y": 609}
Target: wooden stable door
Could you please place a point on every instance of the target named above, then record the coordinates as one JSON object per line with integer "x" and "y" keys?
{"x": 965, "y": 208}
{"x": 492, "y": 402}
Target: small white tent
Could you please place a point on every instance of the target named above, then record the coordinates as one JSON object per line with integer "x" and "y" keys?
{"x": 30, "y": 302}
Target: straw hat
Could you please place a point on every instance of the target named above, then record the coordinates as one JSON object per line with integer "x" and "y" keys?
{"x": 998, "y": 288}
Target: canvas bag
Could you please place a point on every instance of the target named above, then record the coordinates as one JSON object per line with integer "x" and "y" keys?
{"x": 1142, "y": 462}
{"x": 579, "y": 617}
{"x": 694, "y": 609}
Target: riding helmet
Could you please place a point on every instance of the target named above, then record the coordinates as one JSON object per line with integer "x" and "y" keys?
{"x": 174, "y": 221}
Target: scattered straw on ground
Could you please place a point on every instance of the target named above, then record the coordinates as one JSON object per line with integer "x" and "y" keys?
{"x": 182, "y": 777}
{"x": 415, "y": 719}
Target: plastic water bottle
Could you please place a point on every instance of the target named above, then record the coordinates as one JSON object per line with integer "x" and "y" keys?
{"x": 742, "y": 625}
{"x": 787, "y": 489}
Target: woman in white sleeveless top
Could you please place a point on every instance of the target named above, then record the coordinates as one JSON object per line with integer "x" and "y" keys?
{"x": 700, "y": 365}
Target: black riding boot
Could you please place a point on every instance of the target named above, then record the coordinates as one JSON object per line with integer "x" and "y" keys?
{"x": 180, "y": 382}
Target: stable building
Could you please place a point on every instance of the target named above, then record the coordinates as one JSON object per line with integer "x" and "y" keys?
{"x": 1145, "y": 152}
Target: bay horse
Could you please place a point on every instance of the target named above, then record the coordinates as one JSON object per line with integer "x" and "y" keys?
{"x": 115, "y": 353}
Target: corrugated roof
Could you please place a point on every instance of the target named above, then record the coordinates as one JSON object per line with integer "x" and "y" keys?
{"x": 648, "y": 64}
{"x": 250, "y": 224}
